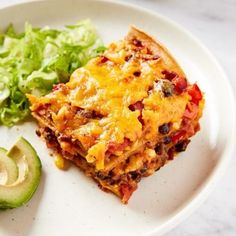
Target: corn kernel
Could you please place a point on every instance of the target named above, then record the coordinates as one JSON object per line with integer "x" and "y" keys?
{"x": 176, "y": 125}
{"x": 59, "y": 162}
{"x": 151, "y": 153}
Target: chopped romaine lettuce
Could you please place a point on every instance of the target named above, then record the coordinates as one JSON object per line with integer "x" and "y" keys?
{"x": 34, "y": 60}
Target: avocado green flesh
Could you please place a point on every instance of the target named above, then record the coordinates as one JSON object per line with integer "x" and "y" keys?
{"x": 18, "y": 193}
{"x": 9, "y": 166}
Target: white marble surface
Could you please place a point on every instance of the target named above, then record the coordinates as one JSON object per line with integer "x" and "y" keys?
{"x": 214, "y": 23}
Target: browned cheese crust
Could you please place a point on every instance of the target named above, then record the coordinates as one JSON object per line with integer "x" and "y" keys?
{"x": 122, "y": 116}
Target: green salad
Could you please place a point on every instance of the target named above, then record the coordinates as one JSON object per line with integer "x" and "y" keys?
{"x": 34, "y": 60}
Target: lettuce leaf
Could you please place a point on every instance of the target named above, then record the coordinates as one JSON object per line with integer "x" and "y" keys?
{"x": 33, "y": 60}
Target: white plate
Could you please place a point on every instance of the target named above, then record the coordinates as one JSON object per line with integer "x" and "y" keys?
{"x": 68, "y": 203}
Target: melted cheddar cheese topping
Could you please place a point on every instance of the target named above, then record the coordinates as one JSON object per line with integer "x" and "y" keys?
{"x": 108, "y": 86}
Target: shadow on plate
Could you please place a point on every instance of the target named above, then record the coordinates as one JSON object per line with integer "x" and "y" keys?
{"x": 20, "y": 221}
{"x": 170, "y": 190}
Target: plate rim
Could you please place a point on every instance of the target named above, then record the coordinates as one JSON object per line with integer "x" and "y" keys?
{"x": 198, "y": 198}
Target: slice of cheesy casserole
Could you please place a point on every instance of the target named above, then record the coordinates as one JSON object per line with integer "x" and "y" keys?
{"x": 123, "y": 115}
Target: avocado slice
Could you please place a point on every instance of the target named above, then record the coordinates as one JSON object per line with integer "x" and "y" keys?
{"x": 8, "y": 168}
{"x": 29, "y": 166}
